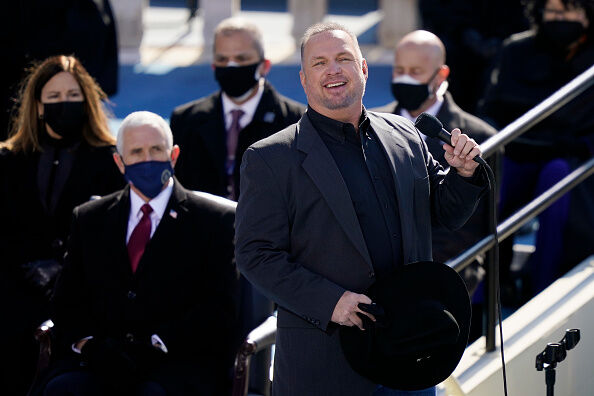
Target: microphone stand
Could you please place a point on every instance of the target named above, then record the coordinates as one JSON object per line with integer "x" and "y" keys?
{"x": 556, "y": 352}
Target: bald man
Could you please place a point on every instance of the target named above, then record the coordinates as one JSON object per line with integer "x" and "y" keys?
{"x": 419, "y": 84}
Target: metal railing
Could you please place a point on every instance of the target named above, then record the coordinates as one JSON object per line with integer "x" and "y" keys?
{"x": 492, "y": 147}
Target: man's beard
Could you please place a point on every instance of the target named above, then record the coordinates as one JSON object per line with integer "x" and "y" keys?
{"x": 349, "y": 99}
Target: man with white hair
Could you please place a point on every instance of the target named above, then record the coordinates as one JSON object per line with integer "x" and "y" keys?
{"x": 146, "y": 267}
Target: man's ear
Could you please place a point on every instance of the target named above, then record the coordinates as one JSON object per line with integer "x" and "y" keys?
{"x": 364, "y": 68}
{"x": 264, "y": 67}
{"x": 119, "y": 162}
{"x": 174, "y": 155}
{"x": 443, "y": 73}
{"x": 302, "y": 79}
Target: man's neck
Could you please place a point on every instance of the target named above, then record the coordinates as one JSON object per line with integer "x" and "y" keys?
{"x": 350, "y": 115}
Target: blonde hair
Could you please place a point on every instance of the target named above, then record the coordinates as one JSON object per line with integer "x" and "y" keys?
{"x": 27, "y": 126}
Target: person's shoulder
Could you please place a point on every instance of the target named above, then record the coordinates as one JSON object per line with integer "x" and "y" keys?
{"x": 387, "y": 108}
{"x": 393, "y": 120}
{"x": 470, "y": 124}
{"x": 477, "y": 128}
{"x": 200, "y": 200}
{"x": 281, "y": 139}
{"x": 519, "y": 41}
{"x": 289, "y": 105}
{"x": 204, "y": 105}
{"x": 205, "y": 207}
{"x": 98, "y": 207}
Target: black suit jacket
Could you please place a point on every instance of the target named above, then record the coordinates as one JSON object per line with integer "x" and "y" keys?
{"x": 184, "y": 289}
{"x": 448, "y": 244}
{"x": 299, "y": 240}
{"x": 28, "y": 232}
{"x": 199, "y": 129}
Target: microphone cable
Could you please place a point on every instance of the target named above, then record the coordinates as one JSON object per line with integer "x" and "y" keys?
{"x": 430, "y": 126}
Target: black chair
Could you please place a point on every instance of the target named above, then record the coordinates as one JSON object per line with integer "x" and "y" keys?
{"x": 251, "y": 380}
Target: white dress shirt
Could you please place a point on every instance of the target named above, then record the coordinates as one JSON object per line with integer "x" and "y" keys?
{"x": 159, "y": 204}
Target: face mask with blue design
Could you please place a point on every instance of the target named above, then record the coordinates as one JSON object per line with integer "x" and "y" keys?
{"x": 149, "y": 177}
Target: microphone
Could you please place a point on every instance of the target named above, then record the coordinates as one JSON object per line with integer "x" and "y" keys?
{"x": 429, "y": 125}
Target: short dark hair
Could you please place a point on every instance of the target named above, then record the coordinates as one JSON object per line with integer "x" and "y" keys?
{"x": 233, "y": 25}
{"x": 326, "y": 27}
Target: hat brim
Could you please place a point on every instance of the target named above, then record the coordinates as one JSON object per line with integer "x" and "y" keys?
{"x": 411, "y": 367}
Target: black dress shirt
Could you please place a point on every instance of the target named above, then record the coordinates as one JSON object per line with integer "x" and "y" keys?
{"x": 366, "y": 171}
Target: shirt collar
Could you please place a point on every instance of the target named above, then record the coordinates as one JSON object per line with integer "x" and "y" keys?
{"x": 338, "y": 130}
{"x": 249, "y": 107}
{"x": 158, "y": 203}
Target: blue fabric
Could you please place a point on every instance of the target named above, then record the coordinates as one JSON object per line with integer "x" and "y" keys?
{"x": 523, "y": 181}
{"x": 383, "y": 391}
{"x": 149, "y": 176}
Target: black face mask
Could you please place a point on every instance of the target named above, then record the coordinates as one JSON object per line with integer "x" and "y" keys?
{"x": 561, "y": 34}
{"x": 65, "y": 118}
{"x": 236, "y": 81}
{"x": 411, "y": 96}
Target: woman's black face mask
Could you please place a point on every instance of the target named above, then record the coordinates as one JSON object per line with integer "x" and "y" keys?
{"x": 67, "y": 119}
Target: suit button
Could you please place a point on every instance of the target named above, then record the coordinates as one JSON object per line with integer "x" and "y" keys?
{"x": 371, "y": 274}
{"x": 131, "y": 295}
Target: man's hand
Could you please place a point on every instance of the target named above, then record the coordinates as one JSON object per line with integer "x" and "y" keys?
{"x": 461, "y": 153}
{"x": 345, "y": 312}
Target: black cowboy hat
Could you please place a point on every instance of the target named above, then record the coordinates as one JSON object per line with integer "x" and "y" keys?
{"x": 423, "y": 319}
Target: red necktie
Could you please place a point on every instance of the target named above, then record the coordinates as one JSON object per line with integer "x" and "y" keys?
{"x": 232, "y": 138}
{"x": 140, "y": 237}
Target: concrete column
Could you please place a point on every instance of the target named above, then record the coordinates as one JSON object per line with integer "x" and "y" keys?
{"x": 128, "y": 16}
{"x": 306, "y": 13}
{"x": 213, "y": 12}
{"x": 400, "y": 18}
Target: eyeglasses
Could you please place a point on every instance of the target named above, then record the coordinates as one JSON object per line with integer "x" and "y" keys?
{"x": 563, "y": 13}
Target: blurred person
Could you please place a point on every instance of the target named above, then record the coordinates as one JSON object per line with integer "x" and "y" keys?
{"x": 146, "y": 303}
{"x": 58, "y": 156}
{"x": 335, "y": 203}
{"x": 419, "y": 84}
{"x": 472, "y": 32}
{"x": 33, "y": 30}
{"x": 214, "y": 131}
{"x": 533, "y": 65}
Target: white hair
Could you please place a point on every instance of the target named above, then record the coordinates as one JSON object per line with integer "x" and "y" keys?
{"x": 140, "y": 118}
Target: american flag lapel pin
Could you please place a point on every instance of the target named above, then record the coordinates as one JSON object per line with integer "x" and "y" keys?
{"x": 173, "y": 214}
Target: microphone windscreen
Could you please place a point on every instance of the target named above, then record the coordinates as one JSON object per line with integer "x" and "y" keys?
{"x": 428, "y": 125}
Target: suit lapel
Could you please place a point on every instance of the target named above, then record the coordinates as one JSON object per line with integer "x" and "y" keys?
{"x": 322, "y": 169}
{"x": 117, "y": 214}
{"x": 213, "y": 133}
